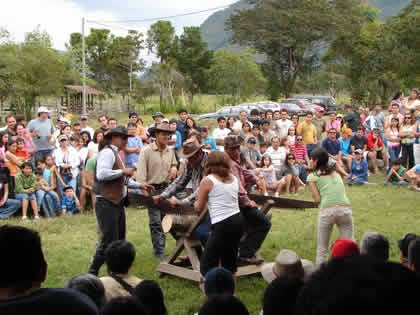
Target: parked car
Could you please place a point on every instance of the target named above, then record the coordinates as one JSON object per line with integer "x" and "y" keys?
{"x": 292, "y": 109}
{"x": 304, "y": 104}
{"x": 228, "y": 111}
{"x": 327, "y": 102}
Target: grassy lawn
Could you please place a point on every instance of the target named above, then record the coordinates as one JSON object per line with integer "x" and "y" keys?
{"x": 69, "y": 242}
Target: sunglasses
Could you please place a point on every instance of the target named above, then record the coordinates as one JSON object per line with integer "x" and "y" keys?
{"x": 291, "y": 158}
{"x": 299, "y": 139}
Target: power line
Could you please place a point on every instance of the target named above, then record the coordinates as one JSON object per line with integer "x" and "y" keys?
{"x": 167, "y": 17}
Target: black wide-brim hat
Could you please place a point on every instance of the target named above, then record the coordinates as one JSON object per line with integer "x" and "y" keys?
{"x": 162, "y": 127}
{"x": 117, "y": 131}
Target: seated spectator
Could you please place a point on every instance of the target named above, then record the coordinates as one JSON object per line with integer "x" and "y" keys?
{"x": 26, "y": 185}
{"x": 414, "y": 255}
{"x": 289, "y": 174}
{"x": 267, "y": 172}
{"x": 209, "y": 142}
{"x": 119, "y": 258}
{"x": 266, "y": 132}
{"x": 358, "y": 141}
{"x": 278, "y": 150}
{"x": 124, "y": 305}
{"x": 343, "y": 248}
{"x": 375, "y": 245}
{"x": 251, "y": 154}
{"x": 13, "y": 163}
{"x": 47, "y": 199}
{"x": 280, "y": 296}
{"x": 21, "y": 151}
{"x": 414, "y": 176}
{"x": 403, "y": 244}
{"x": 219, "y": 281}
{"x": 134, "y": 146}
{"x": 376, "y": 150}
{"x": 8, "y": 206}
{"x": 90, "y": 286}
{"x": 291, "y": 136}
{"x": 332, "y": 146}
{"x": 358, "y": 170}
{"x": 359, "y": 284}
{"x": 302, "y": 158}
{"x": 287, "y": 264}
{"x": 263, "y": 148}
{"x": 69, "y": 203}
{"x": 223, "y": 305}
{"x": 23, "y": 270}
{"x": 151, "y": 295}
{"x": 396, "y": 174}
{"x": 346, "y": 154}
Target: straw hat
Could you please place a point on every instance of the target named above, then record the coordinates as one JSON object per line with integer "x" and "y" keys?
{"x": 189, "y": 148}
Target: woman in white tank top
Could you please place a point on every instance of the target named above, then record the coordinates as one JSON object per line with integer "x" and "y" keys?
{"x": 219, "y": 191}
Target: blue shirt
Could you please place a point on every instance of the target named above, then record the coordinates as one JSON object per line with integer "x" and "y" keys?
{"x": 345, "y": 146}
{"x": 210, "y": 141}
{"x": 182, "y": 128}
{"x": 68, "y": 204}
{"x": 178, "y": 143}
{"x": 47, "y": 175}
{"x": 131, "y": 159}
{"x": 360, "y": 170}
{"x": 417, "y": 168}
{"x": 332, "y": 146}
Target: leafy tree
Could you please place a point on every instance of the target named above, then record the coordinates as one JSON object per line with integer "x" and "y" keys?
{"x": 193, "y": 59}
{"x": 238, "y": 76}
{"x": 161, "y": 40}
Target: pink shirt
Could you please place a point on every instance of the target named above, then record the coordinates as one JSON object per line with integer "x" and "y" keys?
{"x": 334, "y": 125}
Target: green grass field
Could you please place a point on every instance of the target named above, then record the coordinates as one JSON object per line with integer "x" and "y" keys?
{"x": 69, "y": 242}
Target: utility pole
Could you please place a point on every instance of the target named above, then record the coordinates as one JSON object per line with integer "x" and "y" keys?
{"x": 83, "y": 68}
{"x": 129, "y": 94}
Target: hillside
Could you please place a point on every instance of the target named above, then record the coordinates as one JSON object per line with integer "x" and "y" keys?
{"x": 213, "y": 29}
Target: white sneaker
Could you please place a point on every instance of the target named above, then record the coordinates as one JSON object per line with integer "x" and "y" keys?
{"x": 36, "y": 217}
{"x": 24, "y": 217}
{"x": 266, "y": 194}
{"x": 276, "y": 194}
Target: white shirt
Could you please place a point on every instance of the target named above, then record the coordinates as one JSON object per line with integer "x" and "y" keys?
{"x": 220, "y": 134}
{"x": 238, "y": 125}
{"x": 277, "y": 156}
{"x": 283, "y": 127}
{"x": 223, "y": 199}
{"x": 92, "y": 146}
{"x": 72, "y": 158}
{"x": 90, "y": 130}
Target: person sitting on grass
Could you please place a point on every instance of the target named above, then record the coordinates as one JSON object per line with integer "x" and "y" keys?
{"x": 21, "y": 151}
{"x": 396, "y": 174}
{"x": 267, "y": 173}
{"x": 346, "y": 154}
{"x": 289, "y": 175}
{"x": 8, "y": 206}
{"x": 358, "y": 170}
{"x": 69, "y": 203}
{"x": 251, "y": 154}
{"x": 403, "y": 244}
{"x": 26, "y": 186}
{"x": 344, "y": 248}
{"x": 124, "y": 305}
{"x": 47, "y": 199}
{"x": 376, "y": 150}
{"x": 375, "y": 245}
{"x": 90, "y": 286}
{"x": 23, "y": 270}
{"x": 119, "y": 257}
{"x": 151, "y": 295}
{"x": 414, "y": 175}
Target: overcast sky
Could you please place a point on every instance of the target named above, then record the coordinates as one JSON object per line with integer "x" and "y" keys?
{"x": 60, "y": 18}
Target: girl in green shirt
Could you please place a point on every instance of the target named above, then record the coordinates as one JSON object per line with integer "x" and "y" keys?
{"x": 328, "y": 189}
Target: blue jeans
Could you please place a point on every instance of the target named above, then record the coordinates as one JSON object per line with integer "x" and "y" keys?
{"x": 302, "y": 173}
{"x": 26, "y": 196}
{"x": 9, "y": 208}
{"x": 49, "y": 202}
{"x": 357, "y": 181}
{"x": 394, "y": 152}
{"x": 310, "y": 148}
{"x": 202, "y": 231}
{"x": 41, "y": 154}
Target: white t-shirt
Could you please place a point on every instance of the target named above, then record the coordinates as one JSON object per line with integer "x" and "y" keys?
{"x": 283, "y": 127}
{"x": 90, "y": 130}
{"x": 221, "y": 134}
{"x": 223, "y": 199}
{"x": 238, "y": 125}
{"x": 277, "y": 156}
{"x": 94, "y": 147}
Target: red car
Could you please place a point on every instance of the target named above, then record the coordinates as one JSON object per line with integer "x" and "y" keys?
{"x": 304, "y": 104}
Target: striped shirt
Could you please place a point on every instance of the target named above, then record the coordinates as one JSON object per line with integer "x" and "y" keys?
{"x": 299, "y": 150}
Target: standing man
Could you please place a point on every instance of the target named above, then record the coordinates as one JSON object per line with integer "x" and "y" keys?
{"x": 112, "y": 123}
{"x": 132, "y": 117}
{"x": 252, "y": 215}
{"x": 103, "y": 120}
{"x": 84, "y": 126}
{"x": 77, "y": 129}
{"x": 220, "y": 133}
{"x": 308, "y": 130}
{"x": 157, "y": 117}
{"x": 111, "y": 180}
{"x": 353, "y": 119}
{"x": 157, "y": 167}
{"x": 243, "y": 118}
{"x": 42, "y": 130}
{"x": 319, "y": 123}
{"x": 283, "y": 124}
{"x": 181, "y": 124}
{"x": 11, "y": 126}
{"x": 193, "y": 152}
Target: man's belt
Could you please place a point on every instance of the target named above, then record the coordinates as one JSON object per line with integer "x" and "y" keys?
{"x": 160, "y": 186}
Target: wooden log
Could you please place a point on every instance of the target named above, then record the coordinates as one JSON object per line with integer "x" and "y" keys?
{"x": 283, "y": 203}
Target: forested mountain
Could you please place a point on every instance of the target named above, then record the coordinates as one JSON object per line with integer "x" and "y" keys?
{"x": 213, "y": 29}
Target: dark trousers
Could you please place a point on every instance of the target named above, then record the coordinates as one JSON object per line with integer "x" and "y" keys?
{"x": 407, "y": 156}
{"x": 112, "y": 227}
{"x": 222, "y": 245}
{"x": 155, "y": 225}
{"x": 259, "y": 227}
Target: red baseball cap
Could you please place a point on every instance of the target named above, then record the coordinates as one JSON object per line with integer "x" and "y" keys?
{"x": 344, "y": 248}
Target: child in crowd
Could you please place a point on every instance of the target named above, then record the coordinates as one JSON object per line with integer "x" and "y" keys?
{"x": 289, "y": 175}
{"x": 134, "y": 146}
{"x": 414, "y": 175}
{"x": 26, "y": 186}
{"x": 263, "y": 148}
{"x": 251, "y": 154}
{"x": 47, "y": 198}
{"x": 359, "y": 169}
{"x": 267, "y": 172}
{"x": 21, "y": 151}
{"x": 69, "y": 203}
{"x": 396, "y": 174}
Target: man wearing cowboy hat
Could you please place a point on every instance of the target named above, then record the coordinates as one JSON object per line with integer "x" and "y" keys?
{"x": 42, "y": 130}
{"x": 252, "y": 215}
{"x": 157, "y": 117}
{"x": 157, "y": 167}
{"x": 193, "y": 152}
{"x": 111, "y": 181}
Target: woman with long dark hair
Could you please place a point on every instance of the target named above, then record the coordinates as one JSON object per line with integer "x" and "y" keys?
{"x": 328, "y": 189}
{"x": 394, "y": 141}
{"x": 408, "y": 138}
